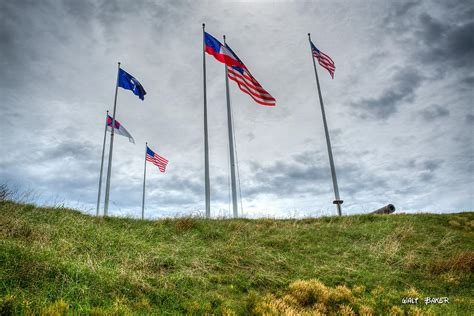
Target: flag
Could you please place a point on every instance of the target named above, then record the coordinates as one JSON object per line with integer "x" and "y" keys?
{"x": 119, "y": 129}
{"x": 324, "y": 60}
{"x": 216, "y": 49}
{"x": 246, "y": 82}
{"x": 156, "y": 159}
{"x": 127, "y": 81}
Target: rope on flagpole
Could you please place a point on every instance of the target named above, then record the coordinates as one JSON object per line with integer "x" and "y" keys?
{"x": 206, "y": 132}
{"x": 102, "y": 164}
{"x": 231, "y": 143}
{"x": 228, "y": 186}
{"x": 237, "y": 161}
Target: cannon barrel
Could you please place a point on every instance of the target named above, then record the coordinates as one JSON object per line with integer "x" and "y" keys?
{"x": 387, "y": 209}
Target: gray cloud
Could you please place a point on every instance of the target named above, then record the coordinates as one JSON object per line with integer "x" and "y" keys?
{"x": 469, "y": 118}
{"x": 446, "y": 44}
{"x": 396, "y": 20}
{"x": 434, "y": 112}
{"x": 403, "y": 89}
{"x": 440, "y": 41}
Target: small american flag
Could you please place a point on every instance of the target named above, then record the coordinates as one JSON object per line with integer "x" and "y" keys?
{"x": 156, "y": 159}
{"x": 324, "y": 60}
{"x": 246, "y": 82}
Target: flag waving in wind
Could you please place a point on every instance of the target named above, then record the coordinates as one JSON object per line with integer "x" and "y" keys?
{"x": 156, "y": 159}
{"x": 246, "y": 82}
{"x": 237, "y": 71}
{"x": 216, "y": 49}
{"x": 324, "y": 60}
{"x": 119, "y": 129}
{"x": 128, "y": 82}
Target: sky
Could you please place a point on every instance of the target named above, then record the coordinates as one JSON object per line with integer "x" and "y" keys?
{"x": 399, "y": 109}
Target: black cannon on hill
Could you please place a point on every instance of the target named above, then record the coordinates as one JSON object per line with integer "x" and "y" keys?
{"x": 387, "y": 209}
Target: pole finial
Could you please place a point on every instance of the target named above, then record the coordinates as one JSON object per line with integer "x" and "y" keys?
{"x": 223, "y": 36}
{"x": 119, "y": 64}
{"x": 309, "y": 35}
{"x": 203, "y": 25}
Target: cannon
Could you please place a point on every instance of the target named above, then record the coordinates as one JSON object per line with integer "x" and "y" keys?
{"x": 387, "y": 209}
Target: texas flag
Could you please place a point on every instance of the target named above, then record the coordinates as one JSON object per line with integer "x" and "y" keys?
{"x": 219, "y": 51}
{"x": 119, "y": 129}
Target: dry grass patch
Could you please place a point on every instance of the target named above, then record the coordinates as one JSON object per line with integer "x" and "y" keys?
{"x": 184, "y": 224}
{"x": 463, "y": 262}
{"x": 312, "y": 297}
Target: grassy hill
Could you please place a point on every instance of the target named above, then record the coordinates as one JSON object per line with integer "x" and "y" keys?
{"x": 56, "y": 261}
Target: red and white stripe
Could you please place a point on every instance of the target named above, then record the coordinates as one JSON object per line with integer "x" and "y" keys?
{"x": 325, "y": 61}
{"x": 158, "y": 161}
{"x": 250, "y": 86}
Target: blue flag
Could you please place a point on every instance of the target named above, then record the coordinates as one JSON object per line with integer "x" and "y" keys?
{"x": 127, "y": 81}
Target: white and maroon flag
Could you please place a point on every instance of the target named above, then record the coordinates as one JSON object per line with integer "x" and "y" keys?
{"x": 119, "y": 129}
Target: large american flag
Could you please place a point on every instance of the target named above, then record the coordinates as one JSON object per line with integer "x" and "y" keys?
{"x": 324, "y": 60}
{"x": 156, "y": 159}
{"x": 246, "y": 82}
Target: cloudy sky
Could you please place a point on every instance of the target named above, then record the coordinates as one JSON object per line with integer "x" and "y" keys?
{"x": 399, "y": 110}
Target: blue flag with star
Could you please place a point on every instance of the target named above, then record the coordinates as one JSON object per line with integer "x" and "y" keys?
{"x": 127, "y": 81}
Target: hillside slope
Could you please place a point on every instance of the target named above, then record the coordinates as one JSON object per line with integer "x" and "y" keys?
{"x": 59, "y": 260}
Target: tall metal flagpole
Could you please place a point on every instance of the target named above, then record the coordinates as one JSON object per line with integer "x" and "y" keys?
{"x": 206, "y": 143}
{"x": 102, "y": 165}
{"x": 231, "y": 144}
{"x": 144, "y": 178}
{"x": 337, "y": 200}
{"x": 109, "y": 168}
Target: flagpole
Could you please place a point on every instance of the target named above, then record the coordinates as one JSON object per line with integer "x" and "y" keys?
{"x": 206, "y": 142}
{"x": 102, "y": 164}
{"x": 337, "y": 199}
{"x": 109, "y": 168}
{"x": 231, "y": 144}
{"x": 144, "y": 178}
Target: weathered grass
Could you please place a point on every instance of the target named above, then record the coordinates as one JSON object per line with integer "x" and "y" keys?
{"x": 55, "y": 260}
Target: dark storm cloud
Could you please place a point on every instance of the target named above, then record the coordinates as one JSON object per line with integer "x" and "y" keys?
{"x": 76, "y": 162}
{"x": 446, "y": 44}
{"x": 186, "y": 185}
{"x": 469, "y": 81}
{"x": 403, "y": 89}
{"x": 431, "y": 165}
{"x": 434, "y": 112}
{"x": 308, "y": 173}
{"x": 419, "y": 164}
{"x": 442, "y": 42}
{"x": 469, "y": 118}
{"x": 396, "y": 21}
{"x": 285, "y": 178}
{"x": 81, "y": 151}
{"x": 355, "y": 179}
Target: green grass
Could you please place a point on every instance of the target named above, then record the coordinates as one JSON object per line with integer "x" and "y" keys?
{"x": 55, "y": 260}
